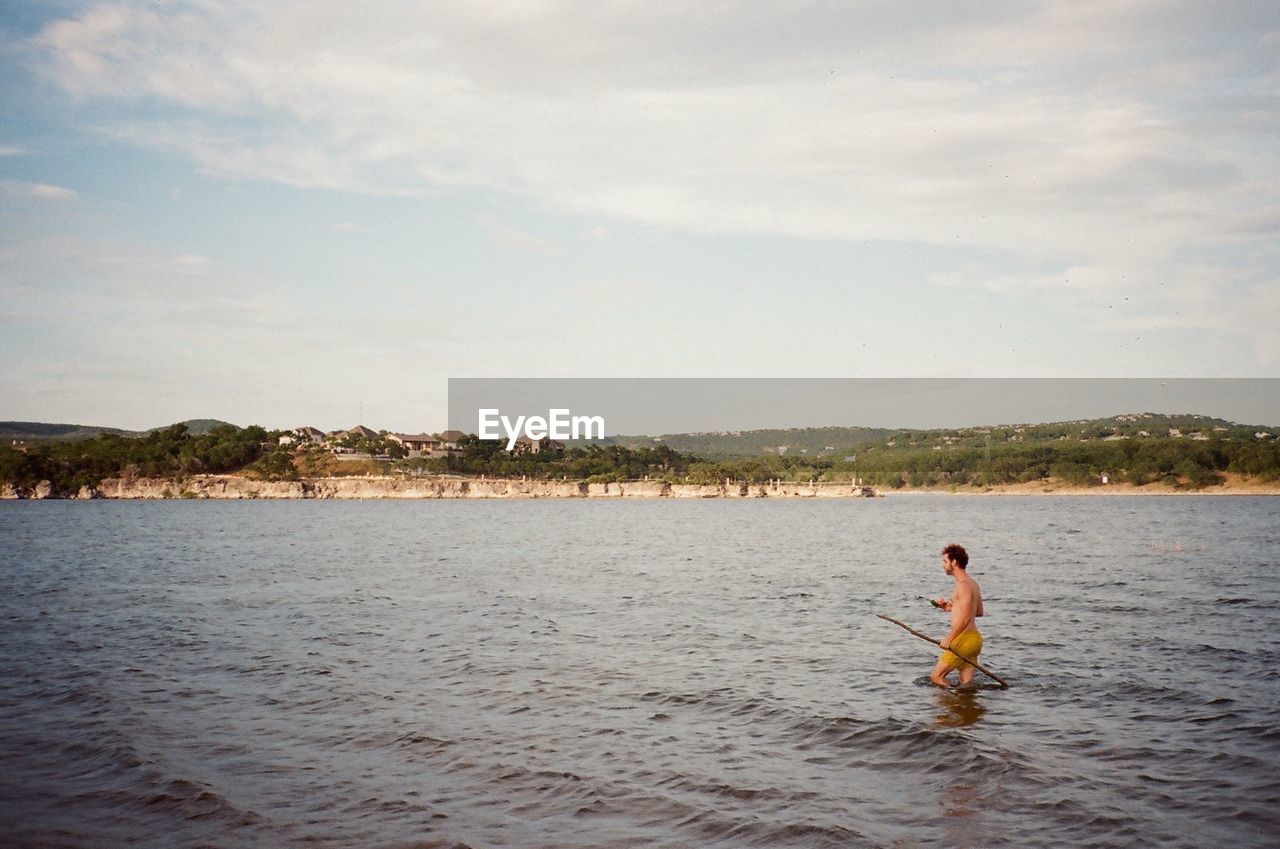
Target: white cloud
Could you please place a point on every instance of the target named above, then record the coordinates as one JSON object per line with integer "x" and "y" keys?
{"x": 9, "y": 150}
{"x": 42, "y": 191}
{"x": 129, "y": 331}
{"x": 615, "y": 293}
{"x": 66, "y": 278}
{"x": 1227, "y": 304}
{"x": 738, "y": 119}
{"x": 1112, "y": 145}
{"x": 512, "y": 239}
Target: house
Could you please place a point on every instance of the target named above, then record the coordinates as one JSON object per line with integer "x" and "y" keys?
{"x": 360, "y": 431}
{"x": 449, "y": 439}
{"x": 309, "y": 434}
{"x": 417, "y": 443}
{"x": 545, "y": 445}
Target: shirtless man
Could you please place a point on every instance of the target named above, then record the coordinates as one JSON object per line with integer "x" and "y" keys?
{"x": 964, "y": 606}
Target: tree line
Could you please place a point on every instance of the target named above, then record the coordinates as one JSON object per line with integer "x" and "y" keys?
{"x": 167, "y": 452}
{"x": 174, "y": 452}
{"x": 1187, "y": 463}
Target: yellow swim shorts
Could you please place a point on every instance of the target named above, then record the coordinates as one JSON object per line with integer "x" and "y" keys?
{"x": 969, "y": 644}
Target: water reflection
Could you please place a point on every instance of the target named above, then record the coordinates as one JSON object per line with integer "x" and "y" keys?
{"x": 960, "y": 708}
{"x": 963, "y": 823}
{"x": 961, "y": 803}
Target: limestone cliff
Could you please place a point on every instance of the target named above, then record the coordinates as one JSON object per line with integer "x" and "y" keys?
{"x": 232, "y": 486}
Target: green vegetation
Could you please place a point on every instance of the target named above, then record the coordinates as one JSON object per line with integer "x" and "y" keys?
{"x": 379, "y": 445}
{"x": 167, "y": 452}
{"x": 1178, "y": 462}
{"x": 30, "y": 431}
{"x": 594, "y": 463}
{"x": 44, "y": 431}
{"x": 798, "y": 441}
{"x": 1186, "y": 451}
{"x": 1191, "y": 452}
{"x": 199, "y": 427}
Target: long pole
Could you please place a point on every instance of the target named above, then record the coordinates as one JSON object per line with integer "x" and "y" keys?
{"x": 1003, "y": 684}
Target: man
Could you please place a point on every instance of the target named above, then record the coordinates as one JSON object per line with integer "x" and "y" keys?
{"x": 964, "y": 606}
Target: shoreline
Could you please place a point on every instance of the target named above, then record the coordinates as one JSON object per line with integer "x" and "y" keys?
{"x": 388, "y": 487}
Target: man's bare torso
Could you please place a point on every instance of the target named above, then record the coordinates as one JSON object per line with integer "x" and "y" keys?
{"x": 963, "y": 615}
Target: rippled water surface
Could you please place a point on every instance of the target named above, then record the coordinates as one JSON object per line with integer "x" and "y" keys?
{"x": 657, "y": 673}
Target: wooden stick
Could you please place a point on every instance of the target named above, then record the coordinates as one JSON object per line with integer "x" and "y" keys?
{"x": 1003, "y": 684}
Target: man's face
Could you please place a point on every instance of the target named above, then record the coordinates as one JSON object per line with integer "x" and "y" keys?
{"x": 948, "y": 565}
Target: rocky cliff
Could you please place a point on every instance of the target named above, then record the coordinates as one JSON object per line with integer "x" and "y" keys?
{"x": 231, "y": 486}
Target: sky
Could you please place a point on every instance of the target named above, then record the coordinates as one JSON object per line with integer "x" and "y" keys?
{"x": 291, "y": 213}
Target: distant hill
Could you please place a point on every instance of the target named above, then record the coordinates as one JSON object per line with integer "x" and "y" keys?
{"x": 48, "y": 432}
{"x": 36, "y": 431}
{"x": 837, "y": 442}
{"x": 199, "y": 427}
{"x": 797, "y": 441}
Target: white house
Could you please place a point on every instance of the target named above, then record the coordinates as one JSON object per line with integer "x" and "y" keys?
{"x": 416, "y": 443}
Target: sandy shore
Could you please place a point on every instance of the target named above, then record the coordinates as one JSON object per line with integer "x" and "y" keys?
{"x": 375, "y": 487}
{"x": 1233, "y": 485}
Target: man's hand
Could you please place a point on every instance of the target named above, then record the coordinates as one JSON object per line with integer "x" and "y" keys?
{"x": 945, "y": 642}
{"x": 944, "y": 604}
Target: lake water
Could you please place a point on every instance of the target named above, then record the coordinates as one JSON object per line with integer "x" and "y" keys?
{"x": 644, "y": 674}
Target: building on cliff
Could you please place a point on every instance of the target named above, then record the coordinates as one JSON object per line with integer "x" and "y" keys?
{"x": 545, "y": 445}
{"x": 450, "y": 439}
{"x": 416, "y": 444}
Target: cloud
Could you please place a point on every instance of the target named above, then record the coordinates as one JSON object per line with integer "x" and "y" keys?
{"x": 1109, "y": 144}
{"x": 127, "y": 288}
{"x": 9, "y": 150}
{"x": 42, "y": 191}
{"x": 726, "y": 119}
{"x": 1219, "y": 302}
{"x": 615, "y": 293}
{"x": 513, "y": 240}
{"x": 119, "y": 332}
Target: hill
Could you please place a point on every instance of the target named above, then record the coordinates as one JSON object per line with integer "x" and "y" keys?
{"x": 796, "y": 441}
{"x": 48, "y": 432}
{"x": 37, "y": 431}
{"x": 838, "y": 442}
{"x": 199, "y": 427}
